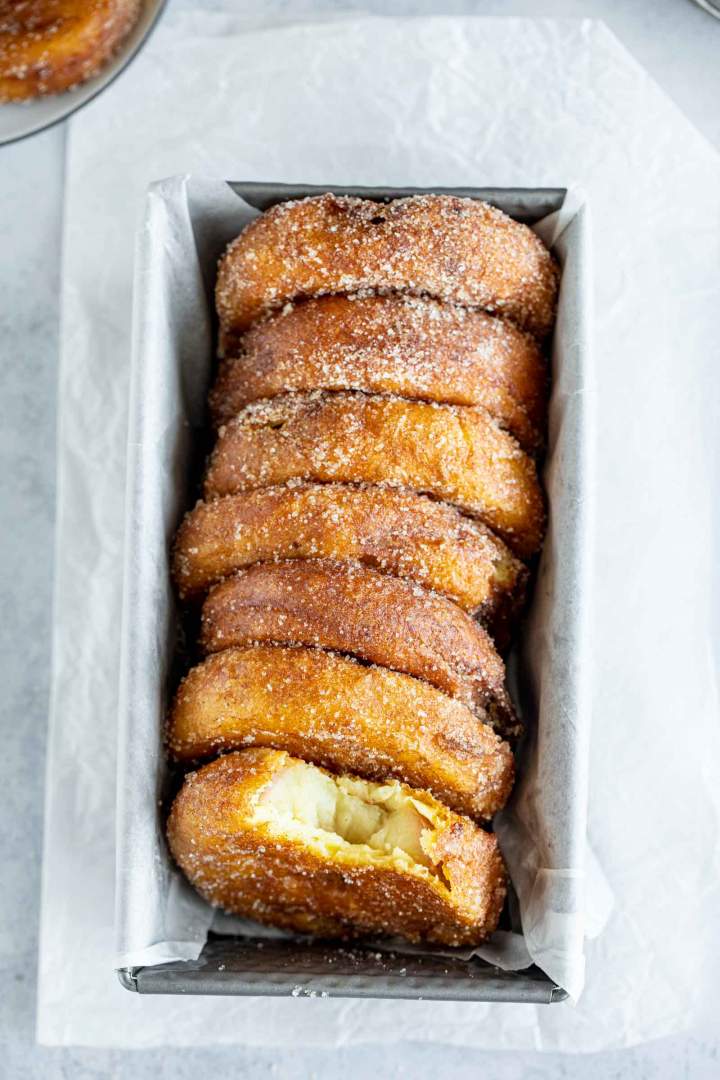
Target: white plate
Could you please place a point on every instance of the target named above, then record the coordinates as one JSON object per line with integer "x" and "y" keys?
{"x": 28, "y": 117}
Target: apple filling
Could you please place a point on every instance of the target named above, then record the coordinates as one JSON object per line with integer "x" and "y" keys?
{"x": 338, "y": 810}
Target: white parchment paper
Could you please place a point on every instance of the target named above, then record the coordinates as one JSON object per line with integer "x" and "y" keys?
{"x": 429, "y": 102}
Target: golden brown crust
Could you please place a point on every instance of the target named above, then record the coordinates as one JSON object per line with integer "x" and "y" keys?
{"x": 398, "y": 532}
{"x": 351, "y": 609}
{"x": 417, "y": 349}
{"x": 254, "y": 867}
{"x": 48, "y": 46}
{"x": 347, "y": 716}
{"x": 454, "y": 453}
{"x": 458, "y": 250}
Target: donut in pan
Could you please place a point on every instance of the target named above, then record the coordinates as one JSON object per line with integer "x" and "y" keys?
{"x": 352, "y": 609}
{"x": 269, "y": 836}
{"x": 461, "y": 251}
{"x": 452, "y": 452}
{"x": 399, "y": 532}
{"x": 47, "y": 46}
{"x": 417, "y": 349}
{"x": 350, "y": 717}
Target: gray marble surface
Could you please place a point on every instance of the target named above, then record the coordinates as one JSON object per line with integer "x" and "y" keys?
{"x": 680, "y": 45}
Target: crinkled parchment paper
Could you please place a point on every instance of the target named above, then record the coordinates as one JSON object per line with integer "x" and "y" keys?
{"x": 428, "y": 102}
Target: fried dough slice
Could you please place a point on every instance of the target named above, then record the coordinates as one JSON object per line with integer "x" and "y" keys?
{"x": 48, "y": 46}
{"x": 350, "y": 717}
{"x": 398, "y": 532}
{"x": 349, "y": 608}
{"x": 266, "y": 835}
{"x": 453, "y": 453}
{"x": 458, "y": 250}
{"x": 417, "y": 349}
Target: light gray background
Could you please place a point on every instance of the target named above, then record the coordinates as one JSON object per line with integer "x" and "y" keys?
{"x": 680, "y": 45}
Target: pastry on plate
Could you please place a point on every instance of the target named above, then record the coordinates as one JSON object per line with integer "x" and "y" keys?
{"x": 265, "y": 835}
{"x": 352, "y": 609}
{"x": 395, "y": 531}
{"x": 350, "y": 717}
{"x": 417, "y": 349}
{"x": 453, "y": 249}
{"x": 455, "y": 453}
{"x": 48, "y": 46}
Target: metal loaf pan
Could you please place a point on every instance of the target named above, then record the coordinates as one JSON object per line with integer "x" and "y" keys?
{"x": 238, "y": 965}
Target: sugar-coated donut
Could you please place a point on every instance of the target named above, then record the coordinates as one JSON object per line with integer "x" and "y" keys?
{"x": 452, "y": 452}
{"x": 418, "y": 349}
{"x": 348, "y": 716}
{"x": 266, "y": 835}
{"x": 395, "y": 531}
{"x": 459, "y": 250}
{"x": 48, "y": 46}
{"x": 352, "y": 609}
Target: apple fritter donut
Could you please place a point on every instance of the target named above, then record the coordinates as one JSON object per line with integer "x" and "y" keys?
{"x": 350, "y": 717}
{"x": 48, "y": 46}
{"x": 452, "y": 452}
{"x": 399, "y": 532}
{"x": 458, "y": 250}
{"x": 417, "y": 349}
{"x": 349, "y": 608}
{"x": 266, "y": 835}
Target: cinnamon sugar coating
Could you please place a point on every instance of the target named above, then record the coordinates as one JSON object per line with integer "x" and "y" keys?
{"x": 395, "y": 531}
{"x": 417, "y": 349}
{"x": 453, "y": 453}
{"x": 351, "y": 609}
{"x": 244, "y": 858}
{"x": 349, "y": 717}
{"x": 462, "y": 251}
{"x": 48, "y": 46}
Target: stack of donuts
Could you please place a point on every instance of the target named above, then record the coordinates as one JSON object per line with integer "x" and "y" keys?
{"x": 371, "y": 509}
